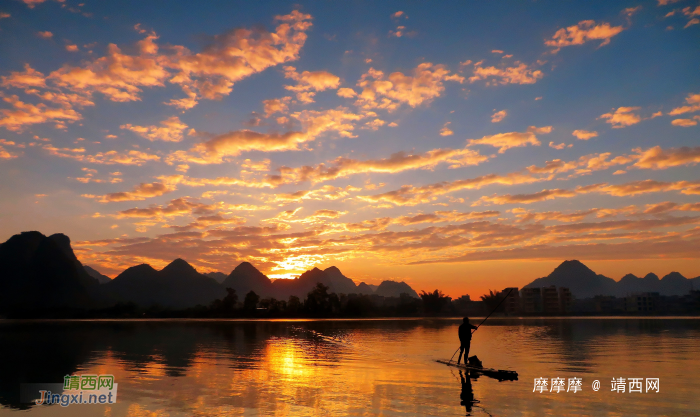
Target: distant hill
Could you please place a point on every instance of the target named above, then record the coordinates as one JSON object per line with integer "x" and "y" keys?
{"x": 38, "y": 272}
{"x": 178, "y": 285}
{"x": 218, "y": 276}
{"x": 339, "y": 283}
{"x": 585, "y": 283}
{"x": 102, "y": 279}
{"x": 367, "y": 289}
{"x": 394, "y": 289}
{"x": 245, "y": 278}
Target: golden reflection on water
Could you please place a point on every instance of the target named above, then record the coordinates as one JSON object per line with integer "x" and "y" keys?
{"x": 367, "y": 368}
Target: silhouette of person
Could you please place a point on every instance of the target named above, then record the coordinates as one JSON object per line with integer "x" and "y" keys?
{"x": 465, "y": 338}
{"x": 467, "y": 394}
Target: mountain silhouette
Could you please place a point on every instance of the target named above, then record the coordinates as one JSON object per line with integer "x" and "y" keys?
{"x": 363, "y": 288}
{"x": 218, "y": 276}
{"x": 245, "y": 278}
{"x": 339, "y": 283}
{"x": 102, "y": 279}
{"x": 40, "y": 272}
{"x": 299, "y": 287}
{"x": 178, "y": 285}
{"x": 394, "y": 289}
{"x": 585, "y": 283}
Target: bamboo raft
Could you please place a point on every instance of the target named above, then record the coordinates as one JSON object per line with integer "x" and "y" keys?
{"x": 500, "y": 374}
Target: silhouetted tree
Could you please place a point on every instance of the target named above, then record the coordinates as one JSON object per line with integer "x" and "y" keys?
{"x": 359, "y": 306}
{"x": 408, "y": 306}
{"x": 492, "y": 299}
{"x": 250, "y": 303}
{"x": 293, "y": 305}
{"x": 434, "y": 302}
{"x": 320, "y": 303}
{"x": 216, "y": 304}
{"x": 229, "y": 302}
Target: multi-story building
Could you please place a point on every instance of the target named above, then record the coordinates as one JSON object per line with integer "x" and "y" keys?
{"x": 512, "y": 301}
{"x": 545, "y": 300}
{"x": 642, "y": 302}
{"x": 550, "y": 300}
{"x": 566, "y": 299}
{"x": 531, "y": 300}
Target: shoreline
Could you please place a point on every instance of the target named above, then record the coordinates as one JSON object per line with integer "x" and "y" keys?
{"x": 340, "y": 319}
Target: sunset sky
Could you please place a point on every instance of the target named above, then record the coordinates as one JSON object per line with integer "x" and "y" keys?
{"x": 456, "y": 145}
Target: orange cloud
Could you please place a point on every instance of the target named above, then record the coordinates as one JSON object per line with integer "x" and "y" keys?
{"x": 203, "y": 222}
{"x": 118, "y": 76}
{"x": 319, "y": 216}
{"x": 693, "y": 105}
{"x": 408, "y": 195}
{"x": 276, "y": 105}
{"x": 220, "y": 147}
{"x": 691, "y": 13}
{"x": 327, "y": 192}
{"x": 584, "y": 31}
{"x": 668, "y": 206}
{"x": 45, "y": 35}
{"x": 621, "y": 190}
{"x": 584, "y": 134}
{"x": 505, "y": 141}
{"x": 307, "y": 81}
{"x": 525, "y": 198}
{"x": 443, "y": 216}
{"x": 32, "y": 3}
{"x": 629, "y": 11}
{"x": 529, "y": 216}
{"x": 236, "y": 55}
{"x": 72, "y": 48}
{"x": 29, "y": 78}
{"x": 177, "y": 207}
{"x": 554, "y": 167}
{"x": 365, "y": 225}
{"x": 389, "y": 93}
{"x": 172, "y": 180}
{"x": 558, "y": 147}
{"x": 498, "y": 116}
{"x": 657, "y": 158}
{"x": 374, "y": 124}
{"x": 210, "y": 74}
{"x": 25, "y": 114}
{"x": 346, "y": 93}
{"x": 132, "y": 157}
{"x": 5, "y": 154}
{"x": 170, "y": 131}
{"x": 685, "y": 122}
{"x": 518, "y": 74}
{"x": 622, "y": 117}
{"x": 650, "y": 186}
{"x": 445, "y": 131}
{"x": 139, "y": 192}
{"x": 397, "y": 162}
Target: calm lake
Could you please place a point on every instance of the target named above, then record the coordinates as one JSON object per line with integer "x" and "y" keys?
{"x": 355, "y": 367}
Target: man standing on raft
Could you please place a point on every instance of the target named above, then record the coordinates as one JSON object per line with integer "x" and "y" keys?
{"x": 465, "y": 338}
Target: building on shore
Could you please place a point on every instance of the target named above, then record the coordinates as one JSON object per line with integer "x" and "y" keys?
{"x": 540, "y": 300}
{"x": 512, "y": 301}
{"x": 642, "y": 302}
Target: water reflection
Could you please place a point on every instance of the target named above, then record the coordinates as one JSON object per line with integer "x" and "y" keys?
{"x": 467, "y": 394}
{"x": 368, "y": 367}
